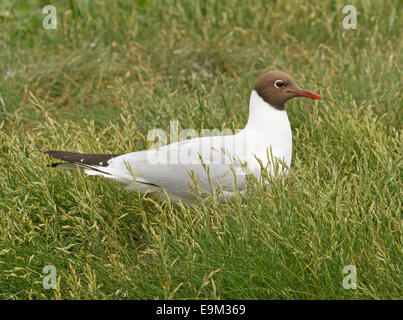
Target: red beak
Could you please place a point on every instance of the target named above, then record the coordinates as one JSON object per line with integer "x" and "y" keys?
{"x": 308, "y": 94}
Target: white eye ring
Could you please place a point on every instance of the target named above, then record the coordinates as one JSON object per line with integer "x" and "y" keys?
{"x": 279, "y": 83}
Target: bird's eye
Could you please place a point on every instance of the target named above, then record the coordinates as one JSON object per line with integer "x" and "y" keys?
{"x": 279, "y": 83}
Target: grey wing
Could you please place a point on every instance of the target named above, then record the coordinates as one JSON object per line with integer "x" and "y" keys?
{"x": 203, "y": 162}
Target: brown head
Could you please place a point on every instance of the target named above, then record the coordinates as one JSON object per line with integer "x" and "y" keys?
{"x": 276, "y": 87}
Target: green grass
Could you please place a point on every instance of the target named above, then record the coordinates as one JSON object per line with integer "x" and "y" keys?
{"x": 113, "y": 70}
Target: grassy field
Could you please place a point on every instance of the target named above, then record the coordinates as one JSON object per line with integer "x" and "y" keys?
{"x": 114, "y": 70}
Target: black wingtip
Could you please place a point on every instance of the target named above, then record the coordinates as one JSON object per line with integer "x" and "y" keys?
{"x": 82, "y": 158}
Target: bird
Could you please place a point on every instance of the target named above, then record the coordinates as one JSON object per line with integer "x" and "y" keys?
{"x": 200, "y": 167}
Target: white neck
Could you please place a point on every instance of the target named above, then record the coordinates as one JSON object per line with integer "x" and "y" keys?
{"x": 271, "y": 126}
{"x": 263, "y": 116}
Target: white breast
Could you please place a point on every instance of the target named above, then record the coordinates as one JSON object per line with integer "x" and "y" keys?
{"x": 268, "y": 129}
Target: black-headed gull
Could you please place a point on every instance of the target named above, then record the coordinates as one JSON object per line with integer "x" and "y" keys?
{"x": 205, "y": 165}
